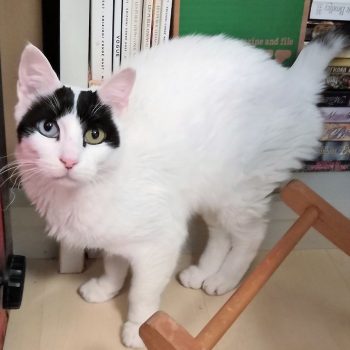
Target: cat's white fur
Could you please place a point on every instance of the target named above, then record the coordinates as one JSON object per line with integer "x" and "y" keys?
{"x": 211, "y": 126}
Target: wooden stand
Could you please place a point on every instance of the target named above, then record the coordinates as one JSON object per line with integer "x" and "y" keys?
{"x": 161, "y": 332}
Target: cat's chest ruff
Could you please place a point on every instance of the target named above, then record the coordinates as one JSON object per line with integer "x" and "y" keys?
{"x": 79, "y": 220}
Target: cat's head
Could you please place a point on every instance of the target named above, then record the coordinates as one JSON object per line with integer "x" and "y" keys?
{"x": 66, "y": 135}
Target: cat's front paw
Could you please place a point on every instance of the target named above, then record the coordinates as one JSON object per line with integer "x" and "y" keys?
{"x": 192, "y": 277}
{"x": 93, "y": 292}
{"x": 218, "y": 285}
{"x": 130, "y": 335}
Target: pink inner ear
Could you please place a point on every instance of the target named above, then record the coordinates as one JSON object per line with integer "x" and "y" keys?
{"x": 116, "y": 91}
{"x": 36, "y": 77}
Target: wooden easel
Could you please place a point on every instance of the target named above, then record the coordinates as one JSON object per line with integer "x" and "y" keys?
{"x": 161, "y": 332}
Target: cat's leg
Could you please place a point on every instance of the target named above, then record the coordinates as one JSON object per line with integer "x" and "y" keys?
{"x": 247, "y": 235}
{"x": 218, "y": 245}
{"x": 151, "y": 268}
{"x": 105, "y": 287}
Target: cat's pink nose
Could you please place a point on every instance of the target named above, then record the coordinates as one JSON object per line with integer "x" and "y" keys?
{"x": 68, "y": 163}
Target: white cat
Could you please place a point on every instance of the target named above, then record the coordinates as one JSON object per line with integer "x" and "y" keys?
{"x": 206, "y": 125}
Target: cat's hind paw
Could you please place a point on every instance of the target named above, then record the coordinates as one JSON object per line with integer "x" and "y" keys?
{"x": 130, "y": 335}
{"x": 93, "y": 292}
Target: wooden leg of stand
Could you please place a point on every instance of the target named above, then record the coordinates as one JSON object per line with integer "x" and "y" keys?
{"x": 331, "y": 223}
{"x": 224, "y": 318}
{"x": 160, "y": 332}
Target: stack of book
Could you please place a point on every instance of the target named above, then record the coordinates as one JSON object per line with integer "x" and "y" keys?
{"x": 121, "y": 28}
{"x": 334, "y": 154}
{"x": 87, "y": 40}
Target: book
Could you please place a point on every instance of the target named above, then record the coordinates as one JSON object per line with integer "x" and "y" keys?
{"x": 126, "y": 30}
{"x": 333, "y": 156}
{"x": 275, "y": 25}
{"x": 146, "y": 31}
{"x": 322, "y": 165}
{"x": 335, "y": 98}
{"x": 336, "y": 114}
{"x": 338, "y": 74}
{"x": 101, "y": 39}
{"x": 117, "y": 34}
{"x": 336, "y": 132}
{"x": 165, "y": 20}
{"x": 136, "y": 20}
{"x": 51, "y": 32}
{"x": 74, "y": 43}
{"x": 330, "y": 10}
{"x": 157, "y": 9}
{"x": 335, "y": 150}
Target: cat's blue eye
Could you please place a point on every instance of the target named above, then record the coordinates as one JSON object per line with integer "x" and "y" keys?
{"x": 48, "y": 128}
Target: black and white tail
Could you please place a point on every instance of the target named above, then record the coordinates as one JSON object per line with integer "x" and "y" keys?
{"x": 309, "y": 68}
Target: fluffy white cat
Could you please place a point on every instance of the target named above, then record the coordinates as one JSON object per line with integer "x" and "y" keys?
{"x": 206, "y": 125}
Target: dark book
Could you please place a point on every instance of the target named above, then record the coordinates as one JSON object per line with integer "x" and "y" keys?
{"x": 335, "y": 98}
{"x": 51, "y": 32}
{"x": 338, "y": 81}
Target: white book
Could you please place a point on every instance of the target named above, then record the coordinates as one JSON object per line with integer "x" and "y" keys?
{"x": 126, "y": 30}
{"x": 117, "y": 34}
{"x": 157, "y": 10}
{"x": 146, "y": 31}
{"x": 136, "y": 20}
{"x": 74, "y": 42}
{"x": 101, "y": 39}
{"x": 338, "y": 10}
{"x": 165, "y": 20}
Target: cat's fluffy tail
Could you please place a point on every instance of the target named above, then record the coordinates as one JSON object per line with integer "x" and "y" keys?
{"x": 309, "y": 69}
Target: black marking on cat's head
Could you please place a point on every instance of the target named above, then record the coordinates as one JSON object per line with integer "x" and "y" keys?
{"x": 51, "y": 107}
{"x": 94, "y": 114}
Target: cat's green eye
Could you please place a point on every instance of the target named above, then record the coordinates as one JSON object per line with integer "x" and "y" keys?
{"x": 94, "y": 136}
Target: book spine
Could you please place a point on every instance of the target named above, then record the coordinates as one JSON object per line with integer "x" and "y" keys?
{"x": 51, "y": 32}
{"x": 126, "y": 30}
{"x": 326, "y": 166}
{"x": 338, "y": 81}
{"x": 147, "y": 24}
{"x": 336, "y": 114}
{"x": 74, "y": 42}
{"x": 101, "y": 39}
{"x": 335, "y": 150}
{"x": 330, "y": 10}
{"x": 336, "y": 132}
{"x": 341, "y": 69}
{"x": 157, "y": 10}
{"x": 136, "y": 19}
{"x": 165, "y": 20}
{"x": 117, "y": 34}
{"x": 335, "y": 98}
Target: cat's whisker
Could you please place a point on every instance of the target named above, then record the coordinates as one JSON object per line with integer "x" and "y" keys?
{"x": 15, "y": 172}
{"x": 12, "y": 199}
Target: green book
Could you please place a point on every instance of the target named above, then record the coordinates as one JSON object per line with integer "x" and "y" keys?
{"x": 275, "y": 25}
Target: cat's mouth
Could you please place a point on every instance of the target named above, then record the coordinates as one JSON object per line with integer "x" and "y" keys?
{"x": 66, "y": 177}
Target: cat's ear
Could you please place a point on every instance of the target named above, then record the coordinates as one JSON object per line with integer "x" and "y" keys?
{"x": 115, "y": 92}
{"x": 35, "y": 77}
